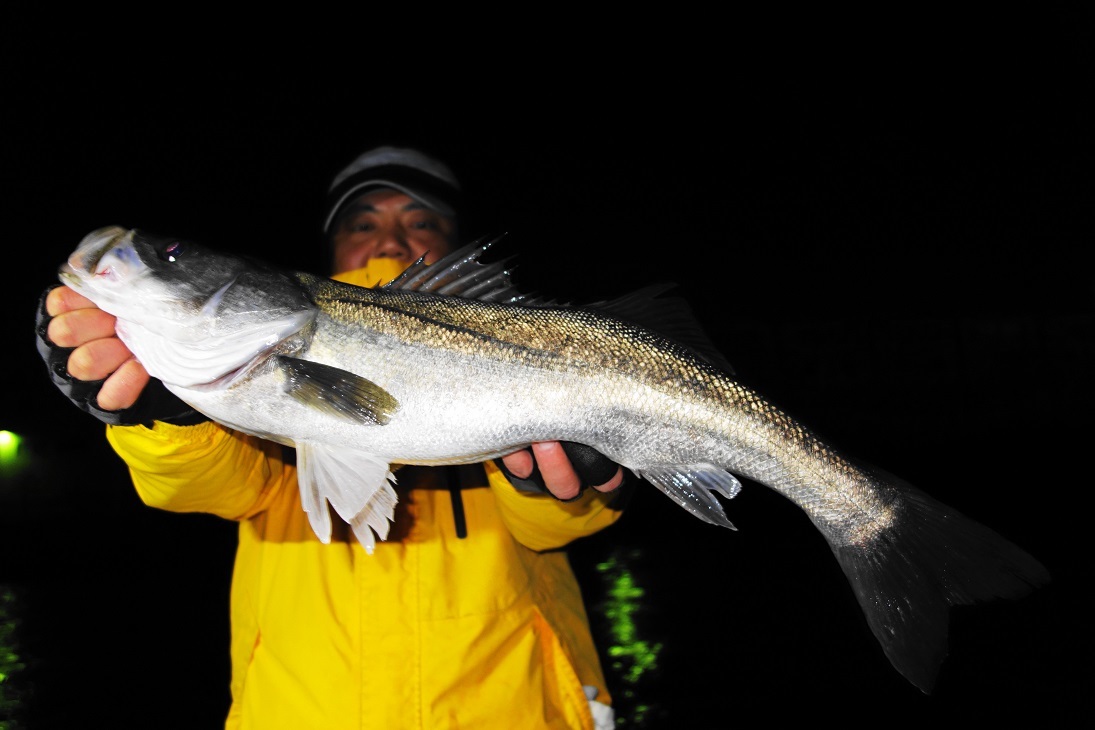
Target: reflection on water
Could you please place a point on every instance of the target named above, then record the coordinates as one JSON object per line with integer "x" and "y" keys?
{"x": 12, "y": 681}
{"x": 633, "y": 658}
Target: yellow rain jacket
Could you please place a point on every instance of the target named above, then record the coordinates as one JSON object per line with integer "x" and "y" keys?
{"x": 433, "y": 630}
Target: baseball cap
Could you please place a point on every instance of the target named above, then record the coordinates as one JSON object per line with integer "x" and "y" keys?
{"x": 410, "y": 171}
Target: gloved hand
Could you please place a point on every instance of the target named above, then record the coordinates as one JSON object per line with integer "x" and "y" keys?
{"x": 156, "y": 402}
{"x": 593, "y": 467}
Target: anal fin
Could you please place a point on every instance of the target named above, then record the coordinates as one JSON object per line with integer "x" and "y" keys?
{"x": 693, "y": 486}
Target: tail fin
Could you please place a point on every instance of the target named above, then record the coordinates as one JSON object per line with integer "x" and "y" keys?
{"x": 930, "y": 559}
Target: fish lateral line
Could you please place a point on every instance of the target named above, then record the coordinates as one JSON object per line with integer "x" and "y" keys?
{"x": 423, "y": 319}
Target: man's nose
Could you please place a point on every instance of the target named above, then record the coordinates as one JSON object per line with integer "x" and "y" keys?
{"x": 393, "y": 244}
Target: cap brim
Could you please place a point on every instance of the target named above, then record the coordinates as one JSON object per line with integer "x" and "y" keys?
{"x": 433, "y": 192}
{"x": 338, "y": 206}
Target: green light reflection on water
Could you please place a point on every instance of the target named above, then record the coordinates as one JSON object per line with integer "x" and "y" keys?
{"x": 11, "y": 665}
{"x": 633, "y": 657}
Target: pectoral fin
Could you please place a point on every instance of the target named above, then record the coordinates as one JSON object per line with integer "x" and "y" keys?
{"x": 338, "y": 392}
{"x": 358, "y": 485}
{"x": 692, "y": 486}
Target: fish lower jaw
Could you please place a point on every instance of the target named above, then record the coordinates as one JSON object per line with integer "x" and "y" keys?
{"x": 90, "y": 251}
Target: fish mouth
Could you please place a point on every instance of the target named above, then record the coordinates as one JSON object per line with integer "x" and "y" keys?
{"x": 85, "y": 268}
{"x": 91, "y": 249}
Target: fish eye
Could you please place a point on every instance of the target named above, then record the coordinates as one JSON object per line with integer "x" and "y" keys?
{"x": 171, "y": 251}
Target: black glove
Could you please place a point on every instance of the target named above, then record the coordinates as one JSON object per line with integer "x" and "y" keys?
{"x": 156, "y": 403}
{"x": 592, "y": 467}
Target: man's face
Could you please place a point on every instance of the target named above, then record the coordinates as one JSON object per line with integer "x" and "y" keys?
{"x": 388, "y": 223}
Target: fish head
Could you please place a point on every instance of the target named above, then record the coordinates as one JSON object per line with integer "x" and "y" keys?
{"x": 189, "y": 314}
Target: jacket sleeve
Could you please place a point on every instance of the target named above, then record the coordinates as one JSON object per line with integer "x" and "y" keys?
{"x": 202, "y": 468}
{"x": 542, "y": 522}
{"x": 209, "y": 468}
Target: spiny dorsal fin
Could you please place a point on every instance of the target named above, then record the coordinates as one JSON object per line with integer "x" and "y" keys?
{"x": 460, "y": 274}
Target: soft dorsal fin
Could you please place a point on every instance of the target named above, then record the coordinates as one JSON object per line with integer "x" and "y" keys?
{"x": 671, "y": 317}
{"x": 461, "y": 274}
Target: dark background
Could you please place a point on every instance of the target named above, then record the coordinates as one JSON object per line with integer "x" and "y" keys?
{"x": 884, "y": 221}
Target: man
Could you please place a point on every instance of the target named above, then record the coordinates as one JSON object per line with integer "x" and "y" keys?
{"x": 468, "y": 615}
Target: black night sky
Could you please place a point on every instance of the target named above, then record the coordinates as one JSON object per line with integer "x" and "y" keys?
{"x": 884, "y": 222}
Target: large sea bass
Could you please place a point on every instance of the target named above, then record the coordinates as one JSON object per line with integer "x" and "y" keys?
{"x": 450, "y": 365}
